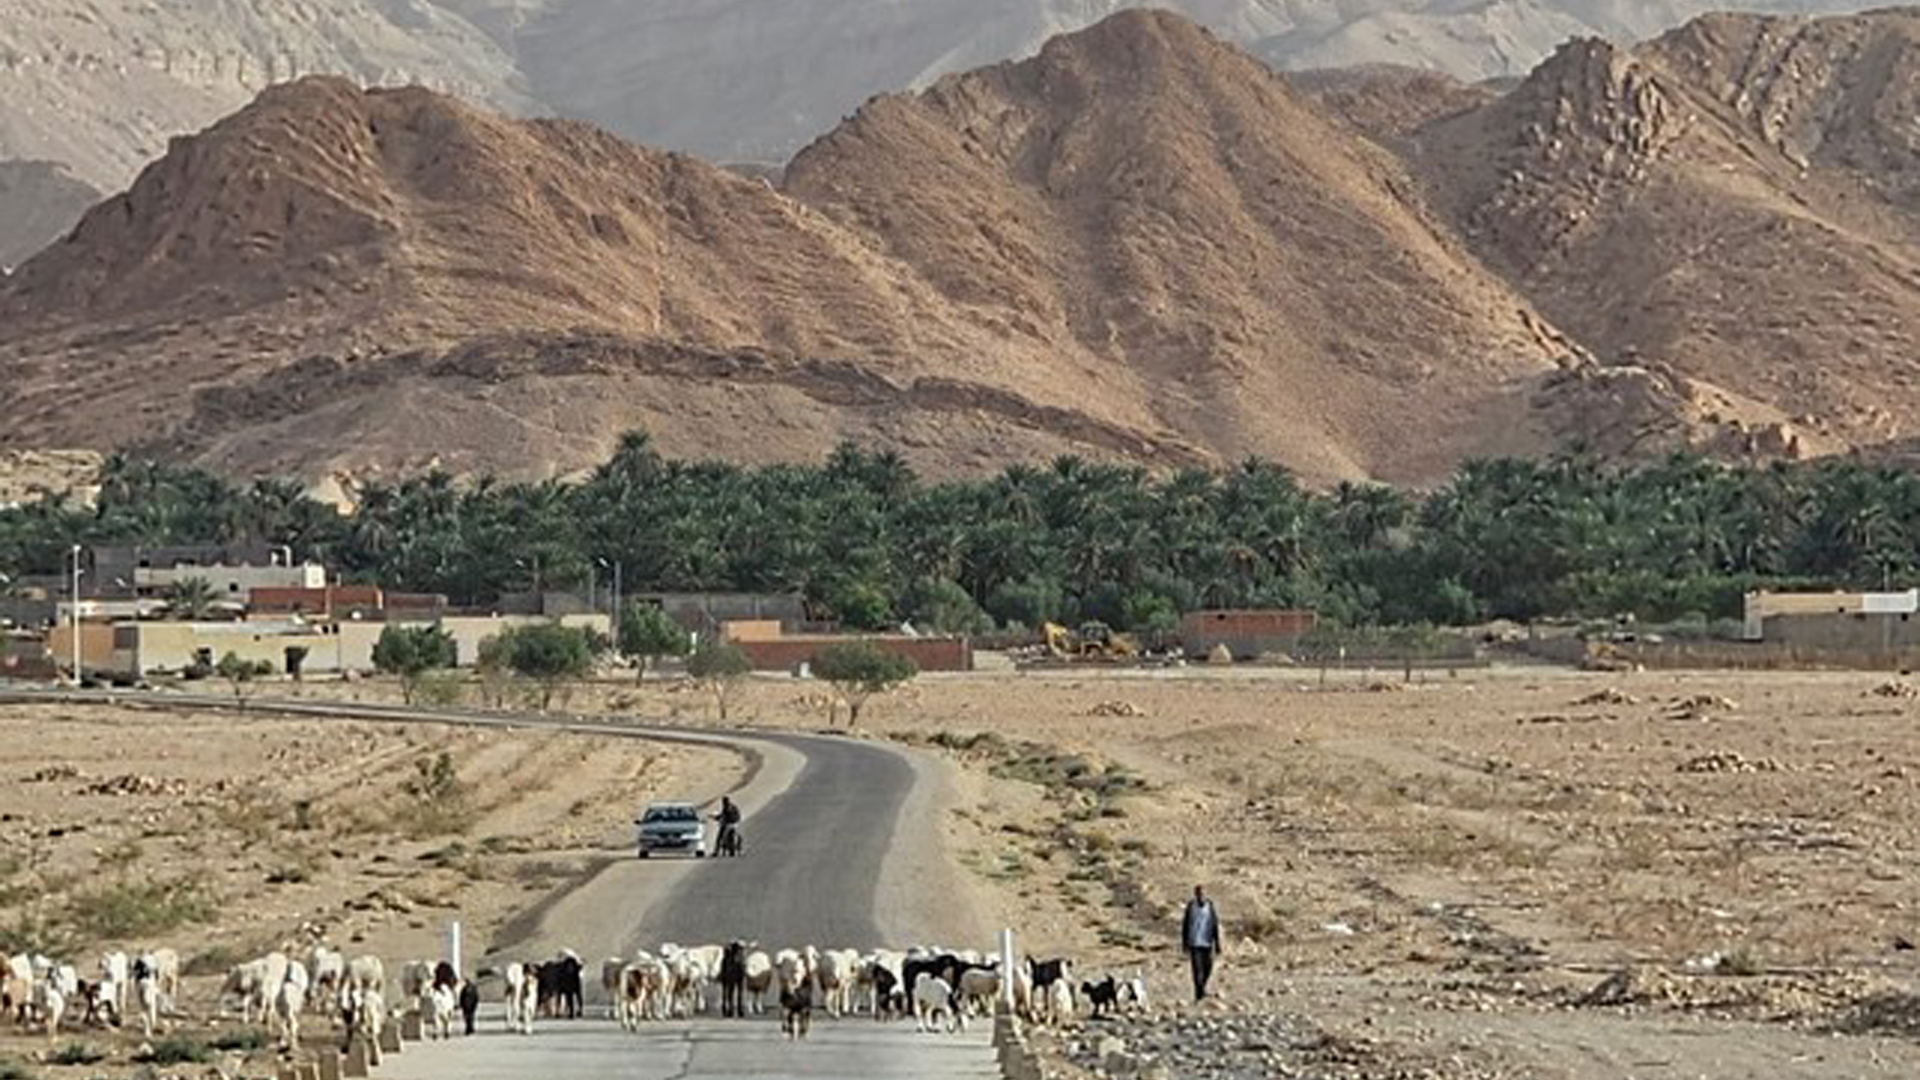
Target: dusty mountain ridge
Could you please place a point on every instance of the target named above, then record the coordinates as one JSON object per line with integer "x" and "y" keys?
{"x": 1139, "y": 242}
{"x": 1181, "y": 296}
{"x": 1736, "y": 200}
{"x": 99, "y": 87}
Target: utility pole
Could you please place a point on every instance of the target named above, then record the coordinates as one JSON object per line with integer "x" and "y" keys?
{"x": 613, "y": 619}
{"x": 75, "y": 620}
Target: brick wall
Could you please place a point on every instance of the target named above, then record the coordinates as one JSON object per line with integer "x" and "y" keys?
{"x": 930, "y": 653}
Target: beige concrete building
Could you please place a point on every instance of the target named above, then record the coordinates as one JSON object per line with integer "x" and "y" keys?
{"x": 1842, "y": 620}
{"x": 232, "y": 584}
{"x": 143, "y": 647}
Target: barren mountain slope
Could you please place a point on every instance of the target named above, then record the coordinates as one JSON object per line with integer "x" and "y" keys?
{"x": 1160, "y": 199}
{"x": 326, "y": 220}
{"x": 1140, "y": 243}
{"x": 753, "y": 79}
{"x": 39, "y": 200}
{"x": 1736, "y": 200}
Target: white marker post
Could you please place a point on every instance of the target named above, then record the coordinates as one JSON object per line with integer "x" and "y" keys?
{"x": 453, "y": 948}
{"x": 1006, "y": 970}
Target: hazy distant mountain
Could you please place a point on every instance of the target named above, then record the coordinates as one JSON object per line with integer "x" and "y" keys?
{"x": 99, "y": 86}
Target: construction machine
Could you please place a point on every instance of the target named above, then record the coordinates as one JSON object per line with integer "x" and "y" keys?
{"x": 1093, "y": 641}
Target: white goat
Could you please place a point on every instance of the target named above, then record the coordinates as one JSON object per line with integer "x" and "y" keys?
{"x": 329, "y": 969}
{"x": 146, "y": 998}
{"x": 979, "y": 989}
{"x": 163, "y": 967}
{"x": 367, "y": 1014}
{"x": 437, "y": 1006}
{"x": 523, "y": 998}
{"x": 415, "y": 977}
{"x": 16, "y": 986}
{"x": 932, "y": 998}
{"x": 839, "y": 968}
{"x": 759, "y": 980}
{"x": 51, "y": 1005}
{"x": 364, "y": 973}
{"x": 288, "y": 1002}
{"x": 116, "y": 976}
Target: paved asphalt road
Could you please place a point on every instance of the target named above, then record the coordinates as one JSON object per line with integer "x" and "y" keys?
{"x": 710, "y": 1049}
{"x": 811, "y": 861}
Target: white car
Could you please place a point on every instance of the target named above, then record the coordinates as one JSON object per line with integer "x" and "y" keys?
{"x": 672, "y": 827}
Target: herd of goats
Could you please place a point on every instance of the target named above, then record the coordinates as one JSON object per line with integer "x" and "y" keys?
{"x": 938, "y": 989}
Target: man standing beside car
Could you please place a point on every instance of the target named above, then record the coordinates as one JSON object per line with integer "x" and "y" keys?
{"x": 729, "y": 818}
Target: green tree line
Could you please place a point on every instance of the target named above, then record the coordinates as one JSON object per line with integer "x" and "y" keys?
{"x": 870, "y": 543}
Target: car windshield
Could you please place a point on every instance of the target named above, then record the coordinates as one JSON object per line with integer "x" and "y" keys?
{"x": 657, "y": 814}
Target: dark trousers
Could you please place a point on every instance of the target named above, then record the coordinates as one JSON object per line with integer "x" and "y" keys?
{"x": 1202, "y": 960}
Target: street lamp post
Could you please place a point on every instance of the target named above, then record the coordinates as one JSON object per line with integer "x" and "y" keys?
{"x": 614, "y": 617}
{"x": 75, "y": 620}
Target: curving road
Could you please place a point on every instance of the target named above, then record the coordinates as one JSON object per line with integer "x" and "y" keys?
{"x": 813, "y": 857}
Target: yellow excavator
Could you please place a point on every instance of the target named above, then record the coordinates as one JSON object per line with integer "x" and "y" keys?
{"x": 1093, "y": 641}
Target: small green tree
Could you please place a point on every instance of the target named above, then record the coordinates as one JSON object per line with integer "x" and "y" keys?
{"x": 944, "y": 607}
{"x": 551, "y": 655}
{"x": 239, "y": 673}
{"x": 189, "y": 599}
{"x": 495, "y": 669}
{"x": 862, "y": 605}
{"x": 721, "y": 665}
{"x": 647, "y": 633}
{"x": 411, "y": 651}
{"x": 860, "y": 669}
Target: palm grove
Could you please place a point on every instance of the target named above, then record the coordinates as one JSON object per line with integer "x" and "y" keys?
{"x": 869, "y": 543}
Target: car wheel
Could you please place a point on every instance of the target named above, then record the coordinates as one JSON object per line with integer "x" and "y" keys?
{"x": 644, "y": 853}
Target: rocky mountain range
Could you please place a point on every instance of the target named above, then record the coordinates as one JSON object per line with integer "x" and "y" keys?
{"x": 1141, "y": 242}
{"x": 100, "y": 87}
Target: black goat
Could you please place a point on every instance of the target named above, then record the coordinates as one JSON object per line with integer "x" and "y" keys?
{"x": 796, "y": 1010}
{"x": 558, "y": 989}
{"x": 733, "y": 980}
{"x": 1104, "y": 995}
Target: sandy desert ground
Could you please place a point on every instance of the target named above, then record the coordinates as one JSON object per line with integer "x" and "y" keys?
{"x": 1522, "y": 872}
{"x": 222, "y": 837}
{"x": 1509, "y": 872}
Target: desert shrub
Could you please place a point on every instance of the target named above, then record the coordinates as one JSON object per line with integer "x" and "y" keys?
{"x": 214, "y": 961}
{"x": 177, "y": 1050}
{"x": 241, "y": 1039}
{"x": 32, "y": 932}
{"x": 439, "y": 689}
{"x": 133, "y": 909}
{"x": 14, "y": 1070}
{"x": 77, "y": 1053}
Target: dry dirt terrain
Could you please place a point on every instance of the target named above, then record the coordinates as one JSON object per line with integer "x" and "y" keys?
{"x": 1512, "y": 873}
{"x": 223, "y": 837}
{"x": 1494, "y": 873}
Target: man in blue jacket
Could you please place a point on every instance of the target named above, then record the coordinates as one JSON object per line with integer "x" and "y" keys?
{"x": 1200, "y": 937}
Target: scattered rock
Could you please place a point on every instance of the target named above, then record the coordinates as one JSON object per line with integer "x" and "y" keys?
{"x": 1116, "y": 708}
{"x": 131, "y": 784}
{"x": 1729, "y": 761}
{"x": 1699, "y": 706}
{"x": 1608, "y": 696}
{"x": 1895, "y": 689}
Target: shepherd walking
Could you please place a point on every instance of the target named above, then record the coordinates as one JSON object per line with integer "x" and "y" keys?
{"x": 1200, "y": 937}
